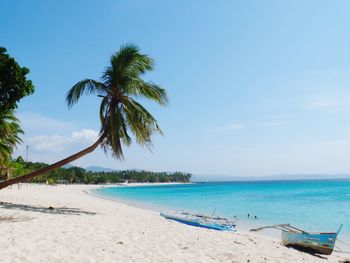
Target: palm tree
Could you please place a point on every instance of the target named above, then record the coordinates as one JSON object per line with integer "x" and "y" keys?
{"x": 120, "y": 113}
{"x": 9, "y": 137}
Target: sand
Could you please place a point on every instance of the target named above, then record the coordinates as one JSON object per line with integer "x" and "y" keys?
{"x": 84, "y": 228}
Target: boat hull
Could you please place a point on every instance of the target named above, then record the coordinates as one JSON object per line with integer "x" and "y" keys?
{"x": 198, "y": 223}
{"x": 321, "y": 243}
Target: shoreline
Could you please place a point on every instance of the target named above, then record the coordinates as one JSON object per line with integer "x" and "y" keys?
{"x": 243, "y": 225}
{"x": 83, "y": 228}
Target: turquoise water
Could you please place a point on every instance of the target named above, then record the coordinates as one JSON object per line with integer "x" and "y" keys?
{"x": 316, "y": 205}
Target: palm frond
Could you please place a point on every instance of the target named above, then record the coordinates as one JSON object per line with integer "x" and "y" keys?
{"x": 103, "y": 109}
{"x": 142, "y": 124}
{"x": 147, "y": 90}
{"x": 87, "y": 86}
{"x": 124, "y": 130}
{"x": 126, "y": 64}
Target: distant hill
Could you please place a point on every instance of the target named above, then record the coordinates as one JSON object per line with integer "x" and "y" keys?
{"x": 97, "y": 169}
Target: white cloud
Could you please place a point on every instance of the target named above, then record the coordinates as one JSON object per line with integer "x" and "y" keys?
{"x": 324, "y": 103}
{"x": 54, "y": 143}
{"x": 59, "y": 143}
{"x": 50, "y": 139}
{"x": 274, "y": 123}
{"x": 235, "y": 126}
{"x": 228, "y": 128}
{"x": 85, "y": 134}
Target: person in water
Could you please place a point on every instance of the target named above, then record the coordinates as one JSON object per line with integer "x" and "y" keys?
{"x": 255, "y": 217}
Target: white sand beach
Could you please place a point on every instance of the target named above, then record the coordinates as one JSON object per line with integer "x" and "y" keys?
{"x": 84, "y": 228}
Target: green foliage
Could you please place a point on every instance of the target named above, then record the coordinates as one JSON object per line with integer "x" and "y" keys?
{"x": 13, "y": 87}
{"x": 120, "y": 87}
{"x": 77, "y": 175}
{"x": 13, "y": 82}
{"x": 50, "y": 181}
{"x": 9, "y": 136}
{"x": 20, "y": 160}
{"x": 18, "y": 168}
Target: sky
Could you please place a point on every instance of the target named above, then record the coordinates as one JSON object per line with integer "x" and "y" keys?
{"x": 256, "y": 87}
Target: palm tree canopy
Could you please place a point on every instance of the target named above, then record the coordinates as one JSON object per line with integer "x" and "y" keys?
{"x": 121, "y": 85}
{"x": 9, "y": 135}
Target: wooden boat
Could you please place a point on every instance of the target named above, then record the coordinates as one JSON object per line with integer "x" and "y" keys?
{"x": 199, "y": 220}
{"x": 320, "y": 243}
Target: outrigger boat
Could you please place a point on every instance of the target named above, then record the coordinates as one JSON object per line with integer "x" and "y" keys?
{"x": 199, "y": 220}
{"x": 321, "y": 243}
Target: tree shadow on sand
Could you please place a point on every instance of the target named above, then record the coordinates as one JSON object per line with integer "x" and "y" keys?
{"x": 11, "y": 218}
{"x": 46, "y": 210}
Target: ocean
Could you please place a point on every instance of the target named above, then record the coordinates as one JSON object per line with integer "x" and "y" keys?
{"x": 314, "y": 205}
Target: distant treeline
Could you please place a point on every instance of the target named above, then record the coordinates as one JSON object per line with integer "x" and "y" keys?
{"x": 77, "y": 175}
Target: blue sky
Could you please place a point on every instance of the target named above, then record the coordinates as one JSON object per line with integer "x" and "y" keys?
{"x": 255, "y": 87}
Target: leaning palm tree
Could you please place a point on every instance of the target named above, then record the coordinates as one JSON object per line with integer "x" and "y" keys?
{"x": 120, "y": 114}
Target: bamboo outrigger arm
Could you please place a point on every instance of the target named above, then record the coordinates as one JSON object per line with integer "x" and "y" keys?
{"x": 283, "y": 227}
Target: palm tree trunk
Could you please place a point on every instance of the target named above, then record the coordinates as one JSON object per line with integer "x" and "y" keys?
{"x": 52, "y": 166}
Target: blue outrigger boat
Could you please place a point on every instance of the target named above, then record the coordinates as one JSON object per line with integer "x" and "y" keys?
{"x": 321, "y": 243}
{"x": 199, "y": 220}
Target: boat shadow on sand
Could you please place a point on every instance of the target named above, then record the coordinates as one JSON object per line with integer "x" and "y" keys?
{"x": 306, "y": 250}
{"x": 47, "y": 210}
